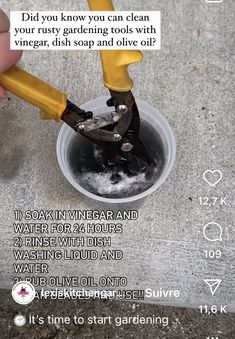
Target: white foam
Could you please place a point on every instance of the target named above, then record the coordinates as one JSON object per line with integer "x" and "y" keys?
{"x": 113, "y": 181}
{"x": 103, "y": 184}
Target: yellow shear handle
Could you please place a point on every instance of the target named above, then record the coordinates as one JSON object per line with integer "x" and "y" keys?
{"x": 39, "y": 93}
{"x": 115, "y": 62}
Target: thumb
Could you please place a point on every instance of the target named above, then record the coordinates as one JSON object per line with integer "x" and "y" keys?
{"x": 8, "y": 57}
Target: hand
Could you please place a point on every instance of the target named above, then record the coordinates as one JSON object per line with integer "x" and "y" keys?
{"x": 8, "y": 57}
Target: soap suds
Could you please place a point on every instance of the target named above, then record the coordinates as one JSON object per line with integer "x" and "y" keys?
{"x": 103, "y": 184}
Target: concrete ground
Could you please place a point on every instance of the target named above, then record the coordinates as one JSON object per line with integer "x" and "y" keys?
{"x": 191, "y": 81}
{"x": 183, "y": 323}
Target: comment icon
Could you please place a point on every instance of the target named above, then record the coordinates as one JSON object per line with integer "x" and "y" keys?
{"x": 212, "y": 231}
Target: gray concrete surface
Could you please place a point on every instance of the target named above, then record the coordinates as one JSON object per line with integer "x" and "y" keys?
{"x": 182, "y": 323}
{"x": 191, "y": 81}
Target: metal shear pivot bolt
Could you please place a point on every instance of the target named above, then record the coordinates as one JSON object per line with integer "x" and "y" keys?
{"x": 120, "y": 126}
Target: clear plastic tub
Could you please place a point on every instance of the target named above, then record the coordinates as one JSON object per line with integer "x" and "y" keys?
{"x": 147, "y": 113}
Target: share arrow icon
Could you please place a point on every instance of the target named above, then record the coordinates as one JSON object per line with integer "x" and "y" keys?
{"x": 213, "y": 284}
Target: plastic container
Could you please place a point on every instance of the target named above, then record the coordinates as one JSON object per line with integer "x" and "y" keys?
{"x": 147, "y": 113}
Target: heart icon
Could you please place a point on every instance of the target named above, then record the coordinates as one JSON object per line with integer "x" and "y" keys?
{"x": 212, "y": 177}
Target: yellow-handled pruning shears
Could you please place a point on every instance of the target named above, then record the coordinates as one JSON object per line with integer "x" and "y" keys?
{"x": 121, "y": 128}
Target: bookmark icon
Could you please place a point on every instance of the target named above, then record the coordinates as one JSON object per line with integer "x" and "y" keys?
{"x": 213, "y": 284}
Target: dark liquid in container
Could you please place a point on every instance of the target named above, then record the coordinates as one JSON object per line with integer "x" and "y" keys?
{"x": 107, "y": 173}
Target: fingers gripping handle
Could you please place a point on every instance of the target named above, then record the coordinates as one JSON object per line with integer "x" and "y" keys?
{"x": 39, "y": 93}
{"x": 115, "y": 62}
